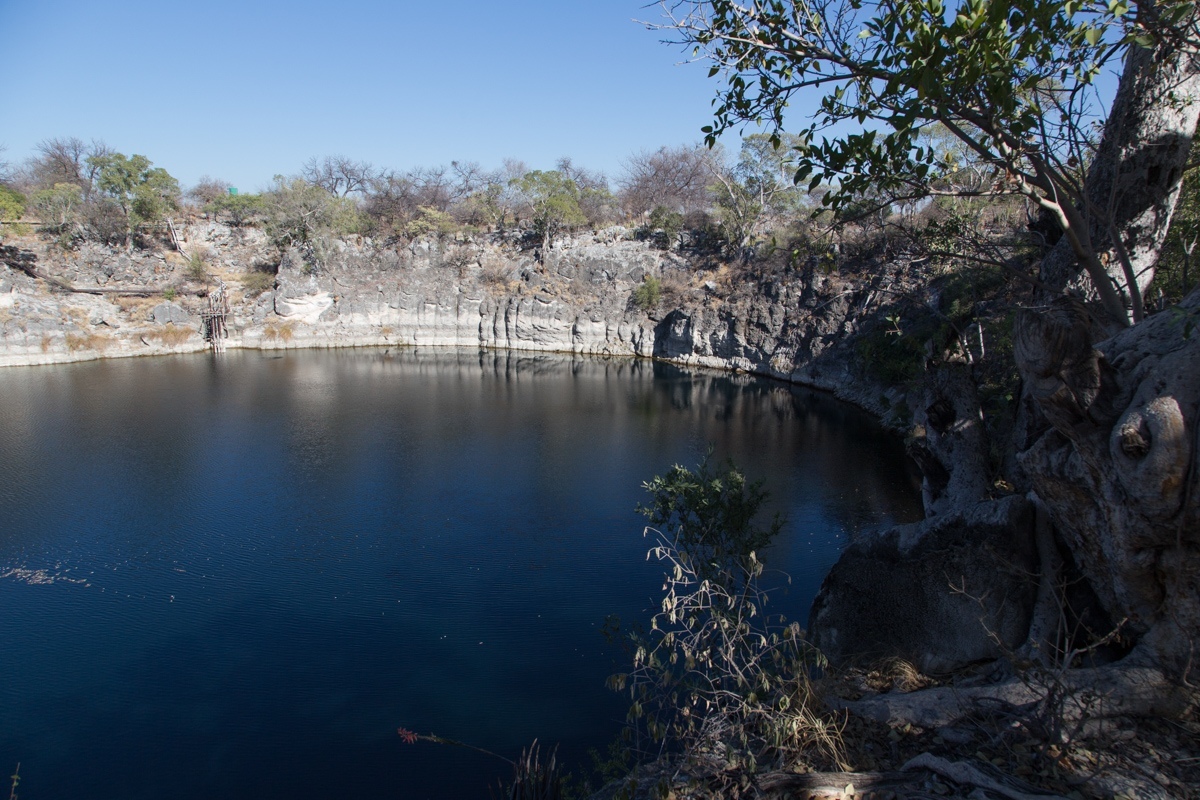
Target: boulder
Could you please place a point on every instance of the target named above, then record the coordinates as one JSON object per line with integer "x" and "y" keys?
{"x": 169, "y": 312}
{"x": 952, "y": 590}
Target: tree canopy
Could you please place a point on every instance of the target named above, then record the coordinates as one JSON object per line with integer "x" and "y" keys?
{"x": 142, "y": 191}
{"x": 1013, "y": 80}
{"x": 552, "y": 200}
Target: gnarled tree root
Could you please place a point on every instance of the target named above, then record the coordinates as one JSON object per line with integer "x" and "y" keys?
{"x": 1117, "y": 690}
{"x": 903, "y": 784}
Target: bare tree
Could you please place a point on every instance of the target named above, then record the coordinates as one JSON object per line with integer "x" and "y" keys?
{"x": 67, "y": 160}
{"x": 338, "y": 175}
{"x": 207, "y": 190}
{"x": 469, "y": 178}
{"x": 675, "y": 178}
{"x": 394, "y": 198}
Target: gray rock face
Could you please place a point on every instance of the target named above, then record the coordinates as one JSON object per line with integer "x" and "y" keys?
{"x": 164, "y": 313}
{"x": 937, "y": 593}
{"x": 478, "y": 291}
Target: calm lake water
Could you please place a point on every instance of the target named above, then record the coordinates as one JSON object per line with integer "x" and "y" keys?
{"x": 236, "y": 577}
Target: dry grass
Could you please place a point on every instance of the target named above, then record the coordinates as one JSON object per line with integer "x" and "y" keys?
{"x": 76, "y": 315}
{"x": 138, "y": 308}
{"x": 92, "y": 341}
{"x": 495, "y": 275}
{"x": 256, "y": 282}
{"x": 676, "y": 287}
{"x": 171, "y": 336}
{"x": 282, "y": 332}
{"x": 896, "y": 674}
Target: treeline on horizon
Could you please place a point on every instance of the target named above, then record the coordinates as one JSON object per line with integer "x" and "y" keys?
{"x": 687, "y": 198}
{"x": 90, "y": 191}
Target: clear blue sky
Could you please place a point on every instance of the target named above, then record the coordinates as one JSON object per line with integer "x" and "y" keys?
{"x": 245, "y": 90}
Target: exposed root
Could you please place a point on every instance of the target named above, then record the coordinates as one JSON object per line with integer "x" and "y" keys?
{"x": 1112, "y": 691}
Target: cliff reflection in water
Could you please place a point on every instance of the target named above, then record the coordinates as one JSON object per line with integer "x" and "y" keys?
{"x": 285, "y": 557}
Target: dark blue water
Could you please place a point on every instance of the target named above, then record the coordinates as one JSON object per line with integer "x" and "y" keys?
{"x": 237, "y": 577}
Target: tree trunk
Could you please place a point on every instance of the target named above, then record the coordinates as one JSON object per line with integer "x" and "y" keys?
{"x": 1133, "y": 183}
{"x": 1115, "y": 460}
{"x": 1117, "y": 467}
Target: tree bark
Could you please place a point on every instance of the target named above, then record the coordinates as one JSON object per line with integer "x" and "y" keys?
{"x": 1134, "y": 181}
{"x": 1116, "y": 469}
{"x": 1114, "y": 460}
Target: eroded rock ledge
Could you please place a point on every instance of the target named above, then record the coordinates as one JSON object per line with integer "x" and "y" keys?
{"x": 788, "y": 323}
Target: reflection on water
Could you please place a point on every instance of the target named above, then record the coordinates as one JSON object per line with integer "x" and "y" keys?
{"x": 257, "y": 567}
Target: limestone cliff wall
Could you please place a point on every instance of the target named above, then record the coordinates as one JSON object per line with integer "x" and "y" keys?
{"x": 792, "y": 324}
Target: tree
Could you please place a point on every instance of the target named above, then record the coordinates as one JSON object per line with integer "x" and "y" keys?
{"x": 12, "y": 207}
{"x": 1108, "y": 435}
{"x": 66, "y": 160}
{"x": 674, "y": 178}
{"x": 207, "y": 190}
{"x": 396, "y": 199}
{"x": 552, "y": 201}
{"x": 1178, "y": 275}
{"x": 237, "y": 209}
{"x": 758, "y": 190}
{"x": 596, "y": 200}
{"x": 304, "y": 216}
{"x": 1012, "y": 80}
{"x": 59, "y": 207}
{"x": 142, "y": 192}
{"x": 338, "y": 175}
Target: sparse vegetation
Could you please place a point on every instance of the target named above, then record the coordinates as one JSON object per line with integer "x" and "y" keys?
{"x": 282, "y": 332}
{"x": 197, "y": 268}
{"x": 648, "y": 294}
{"x": 257, "y": 281}
{"x": 171, "y": 335}
{"x": 716, "y": 674}
{"x": 89, "y": 341}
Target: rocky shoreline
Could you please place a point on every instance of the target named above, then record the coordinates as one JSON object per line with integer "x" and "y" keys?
{"x": 795, "y": 325}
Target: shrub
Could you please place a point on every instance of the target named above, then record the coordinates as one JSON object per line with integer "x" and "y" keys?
{"x": 12, "y": 204}
{"x": 648, "y": 294}
{"x": 197, "y": 270}
{"x": 663, "y": 228}
{"x": 236, "y": 209}
{"x": 59, "y": 207}
{"x": 257, "y": 281}
{"x": 105, "y": 222}
{"x": 714, "y": 673}
{"x": 429, "y": 221}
